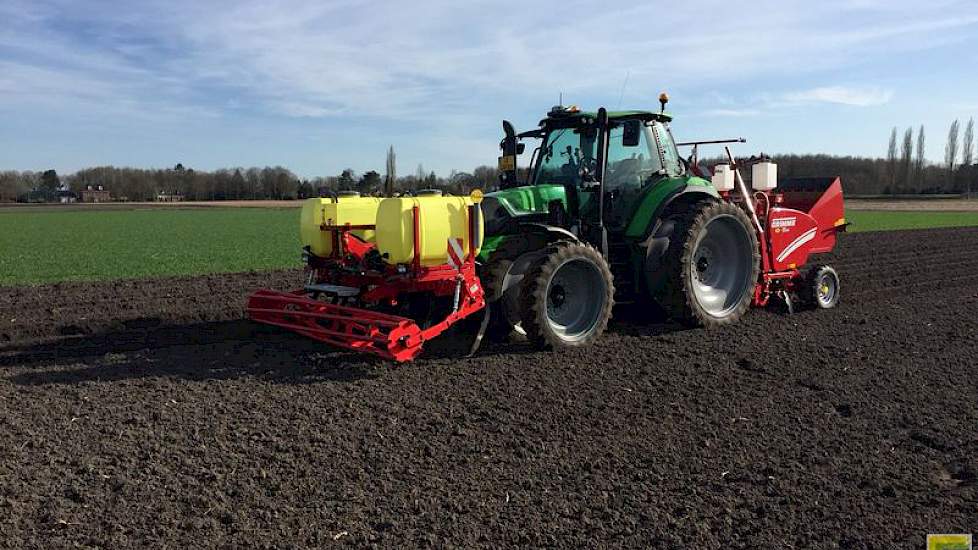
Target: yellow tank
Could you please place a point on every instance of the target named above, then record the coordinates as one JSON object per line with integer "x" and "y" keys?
{"x": 440, "y": 218}
{"x": 346, "y": 209}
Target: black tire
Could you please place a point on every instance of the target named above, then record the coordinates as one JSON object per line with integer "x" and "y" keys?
{"x": 691, "y": 292}
{"x": 504, "y": 304}
{"x": 822, "y": 289}
{"x": 569, "y": 274}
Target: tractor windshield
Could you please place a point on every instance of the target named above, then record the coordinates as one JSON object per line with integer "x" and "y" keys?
{"x": 571, "y": 152}
{"x": 566, "y": 151}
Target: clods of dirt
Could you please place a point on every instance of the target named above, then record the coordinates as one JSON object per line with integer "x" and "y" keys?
{"x": 171, "y": 421}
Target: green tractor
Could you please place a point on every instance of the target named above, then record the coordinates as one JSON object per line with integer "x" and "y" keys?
{"x": 609, "y": 211}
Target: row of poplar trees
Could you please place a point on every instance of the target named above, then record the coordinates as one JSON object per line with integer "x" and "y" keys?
{"x": 906, "y": 167}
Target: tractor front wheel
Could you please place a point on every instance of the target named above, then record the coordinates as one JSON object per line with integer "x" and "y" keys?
{"x": 711, "y": 265}
{"x": 566, "y": 297}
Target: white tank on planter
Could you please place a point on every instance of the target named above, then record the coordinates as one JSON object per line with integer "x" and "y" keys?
{"x": 764, "y": 176}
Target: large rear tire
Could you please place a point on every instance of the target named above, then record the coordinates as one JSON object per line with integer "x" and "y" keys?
{"x": 711, "y": 265}
{"x": 566, "y": 297}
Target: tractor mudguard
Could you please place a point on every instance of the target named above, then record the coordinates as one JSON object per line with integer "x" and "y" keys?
{"x": 524, "y": 250}
{"x": 660, "y": 196}
{"x": 557, "y": 233}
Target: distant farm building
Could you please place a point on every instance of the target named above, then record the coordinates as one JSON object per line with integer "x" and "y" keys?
{"x": 94, "y": 193}
{"x": 168, "y": 196}
{"x": 66, "y": 196}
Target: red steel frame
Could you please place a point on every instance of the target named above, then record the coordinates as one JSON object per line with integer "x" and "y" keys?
{"x": 773, "y": 280}
{"x": 389, "y": 336}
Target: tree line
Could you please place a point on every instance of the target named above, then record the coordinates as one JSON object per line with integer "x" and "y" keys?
{"x": 904, "y": 170}
{"x": 277, "y": 183}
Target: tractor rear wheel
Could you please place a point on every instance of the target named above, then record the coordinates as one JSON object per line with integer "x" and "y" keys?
{"x": 711, "y": 265}
{"x": 566, "y": 297}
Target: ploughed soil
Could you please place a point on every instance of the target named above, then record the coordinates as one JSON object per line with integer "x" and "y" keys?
{"x": 149, "y": 414}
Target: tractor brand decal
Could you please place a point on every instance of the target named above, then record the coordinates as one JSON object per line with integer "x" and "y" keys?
{"x": 797, "y": 243}
{"x": 455, "y": 253}
{"x": 784, "y": 222}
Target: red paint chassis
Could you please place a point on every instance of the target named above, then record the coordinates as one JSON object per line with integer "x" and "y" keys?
{"x": 801, "y": 219}
{"x": 378, "y": 286}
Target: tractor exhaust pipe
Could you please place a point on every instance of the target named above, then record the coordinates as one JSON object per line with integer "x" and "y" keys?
{"x": 602, "y": 159}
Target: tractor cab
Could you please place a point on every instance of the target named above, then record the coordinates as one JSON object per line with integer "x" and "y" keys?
{"x": 640, "y": 152}
{"x": 599, "y": 189}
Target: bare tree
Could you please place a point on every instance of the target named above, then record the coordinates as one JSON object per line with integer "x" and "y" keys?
{"x": 967, "y": 150}
{"x": 906, "y": 159}
{"x": 891, "y": 158}
{"x": 951, "y": 153}
{"x": 390, "y": 179}
{"x": 918, "y": 168}
{"x": 967, "y": 143}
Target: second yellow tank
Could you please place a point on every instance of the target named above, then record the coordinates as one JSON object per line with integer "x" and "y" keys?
{"x": 441, "y": 218}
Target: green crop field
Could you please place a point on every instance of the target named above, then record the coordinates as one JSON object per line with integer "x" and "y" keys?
{"x": 42, "y": 247}
{"x": 868, "y": 220}
{"x": 50, "y": 246}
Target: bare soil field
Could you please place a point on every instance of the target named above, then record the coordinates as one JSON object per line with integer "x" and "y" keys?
{"x": 149, "y": 414}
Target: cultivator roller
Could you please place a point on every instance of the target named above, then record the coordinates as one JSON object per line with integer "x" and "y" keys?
{"x": 389, "y": 336}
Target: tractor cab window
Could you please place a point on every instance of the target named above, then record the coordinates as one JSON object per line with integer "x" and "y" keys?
{"x": 566, "y": 151}
{"x": 630, "y": 168}
{"x": 628, "y": 171}
{"x": 670, "y": 153}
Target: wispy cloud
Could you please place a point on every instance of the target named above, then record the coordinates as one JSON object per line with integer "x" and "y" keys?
{"x": 856, "y": 97}
{"x": 734, "y": 113}
{"x": 439, "y": 67}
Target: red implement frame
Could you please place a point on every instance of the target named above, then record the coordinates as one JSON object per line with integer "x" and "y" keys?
{"x": 820, "y": 209}
{"x": 361, "y": 329}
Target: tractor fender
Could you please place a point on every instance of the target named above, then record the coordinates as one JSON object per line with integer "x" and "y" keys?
{"x": 656, "y": 241}
{"x": 557, "y": 233}
{"x": 522, "y": 262}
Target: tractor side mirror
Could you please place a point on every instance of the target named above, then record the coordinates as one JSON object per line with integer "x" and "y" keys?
{"x": 520, "y": 147}
{"x": 631, "y": 133}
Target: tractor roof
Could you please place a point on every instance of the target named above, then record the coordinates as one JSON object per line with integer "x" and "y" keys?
{"x": 555, "y": 116}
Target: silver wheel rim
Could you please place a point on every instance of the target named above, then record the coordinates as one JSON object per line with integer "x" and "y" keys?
{"x": 722, "y": 266}
{"x": 575, "y": 299}
{"x": 826, "y": 289}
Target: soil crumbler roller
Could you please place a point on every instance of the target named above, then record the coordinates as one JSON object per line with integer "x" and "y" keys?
{"x": 609, "y": 211}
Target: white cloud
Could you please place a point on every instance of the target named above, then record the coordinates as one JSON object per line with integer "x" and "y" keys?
{"x": 856, "y": 97}
{"x": 440, "y": 58}
{"x": 446, "y": 70}
{"x": 734, "y": 113}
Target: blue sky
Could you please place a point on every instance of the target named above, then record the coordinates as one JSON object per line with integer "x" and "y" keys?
{"x": 320, "y": 86}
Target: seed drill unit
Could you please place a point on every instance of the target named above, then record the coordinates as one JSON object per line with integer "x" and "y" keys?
{"x": 609, "y": 211}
